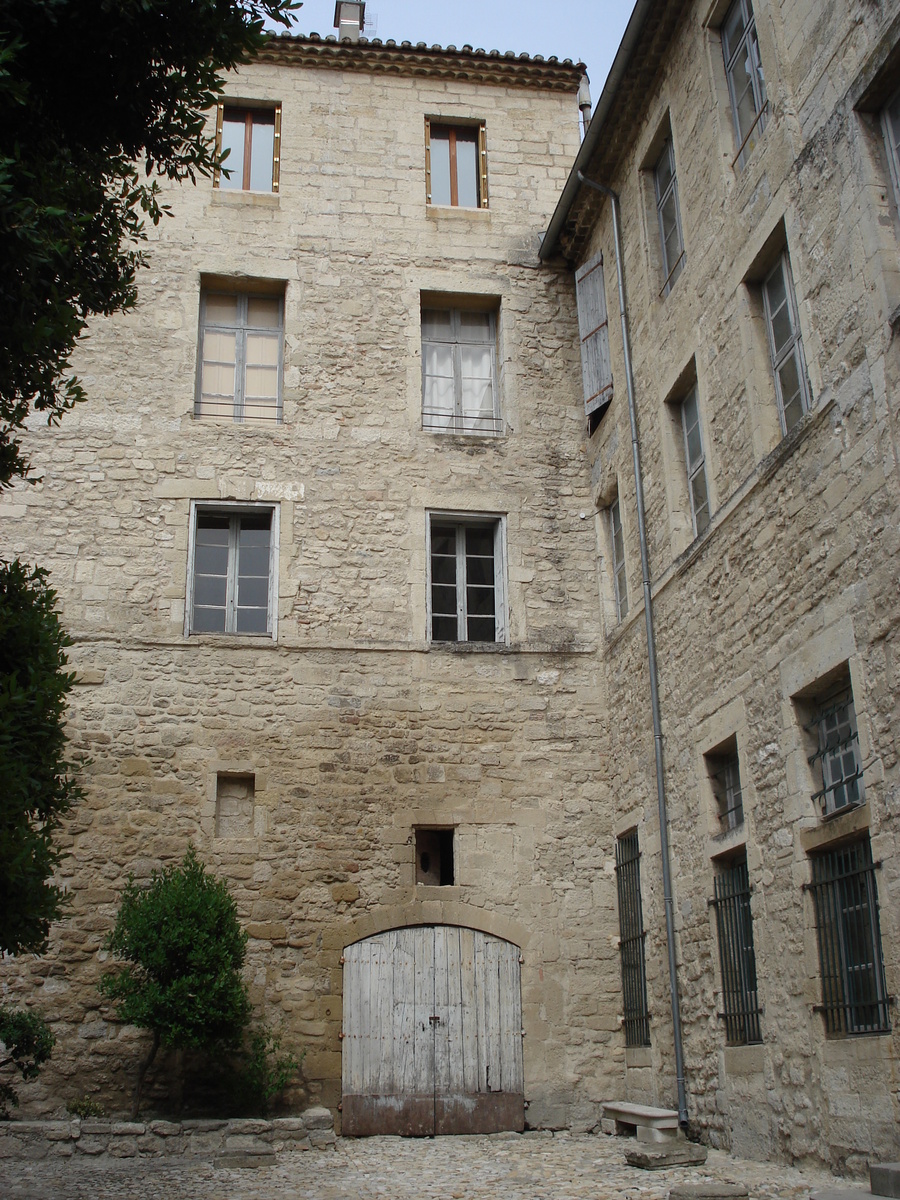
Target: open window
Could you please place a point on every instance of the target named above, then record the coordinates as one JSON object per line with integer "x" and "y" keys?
{"x": 250, "y": 137}
{"x": 456, "y": 164}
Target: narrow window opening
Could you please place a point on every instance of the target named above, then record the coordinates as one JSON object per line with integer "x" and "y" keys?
{"x": 737, "y": 957}
{"x": 725, "y": 776}
{"x": 636, "y": 1018}
{"x": 434, "y": 857}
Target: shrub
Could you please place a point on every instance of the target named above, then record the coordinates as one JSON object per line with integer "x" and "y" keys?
{"x": 28, "y": 1042}
{"x": 85, "y": 1107}
{"x": 184, "y": 948}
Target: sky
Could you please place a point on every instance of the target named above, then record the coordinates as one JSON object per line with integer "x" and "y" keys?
{"x": 587, "y": 30}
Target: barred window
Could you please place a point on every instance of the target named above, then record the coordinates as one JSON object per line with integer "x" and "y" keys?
{"x": 631, "y": 940}
{"x": 854, "y": 995}
{"x": 737, "y": 957}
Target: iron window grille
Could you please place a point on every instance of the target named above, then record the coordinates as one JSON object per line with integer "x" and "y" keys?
{"x": 232, "y": 571}
{"x": 241, "y": 351}
{"x": 466, "y": 584}
{"x": 456, "y": 165}
{"x": 620, "y": 583}
{"x": 785, "y": 344}
{"x": 746, "y": 85}
{"x": 252, "y": 139}
{"x": 672, "y": 242}
{"x": 695, "y": 461}
{"x": 459, "y": 371}
{"x": 837, "y": 759}
{"x": 737, "y": 957}
{"x": 854, "y": 995}
{"x": 632, "y": 952}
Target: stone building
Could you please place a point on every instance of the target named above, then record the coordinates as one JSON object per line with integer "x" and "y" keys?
{"x": 752, "y": 147}
{"x": 348, "y": 543}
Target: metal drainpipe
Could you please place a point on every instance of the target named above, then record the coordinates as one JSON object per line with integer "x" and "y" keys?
{"x": 651, "y": 662}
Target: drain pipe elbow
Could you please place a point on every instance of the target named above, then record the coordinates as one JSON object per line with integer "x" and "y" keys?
{"x": 651, "y": 658}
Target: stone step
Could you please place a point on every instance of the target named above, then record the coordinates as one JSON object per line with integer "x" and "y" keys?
{"x": 709, "y": 1191}
{"x": 841, "y": 1194}
{"x": 678, "y": 1154}
{"x": 884, "y": 1179}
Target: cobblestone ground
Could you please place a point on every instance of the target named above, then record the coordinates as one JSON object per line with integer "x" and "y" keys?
{"x": 510, "y": 1166}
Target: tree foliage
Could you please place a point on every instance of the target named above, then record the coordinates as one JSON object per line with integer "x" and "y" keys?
{"x": 38, "y": 787}
{"x": 97, "y": 98}
{"x": 183, "y": 948}
{"x": 27, "y": 1042}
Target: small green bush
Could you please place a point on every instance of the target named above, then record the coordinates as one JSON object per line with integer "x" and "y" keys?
{"x": 259, "y": 1073}
{"x": 85, "y": 1107}
{"x": 184, "y": 948}
{"x": 28, "y": 1042}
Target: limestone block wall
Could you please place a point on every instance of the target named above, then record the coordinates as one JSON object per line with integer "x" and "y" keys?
{"x": 796, "y": 576}
{"x": 352, "y": 727}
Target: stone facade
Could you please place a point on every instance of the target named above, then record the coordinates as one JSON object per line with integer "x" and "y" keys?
{"x": 793, "y": 584}
{"x": 301, "y": 764}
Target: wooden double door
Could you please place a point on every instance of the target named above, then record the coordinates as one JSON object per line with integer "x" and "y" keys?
{"x": 432, "y": 1040}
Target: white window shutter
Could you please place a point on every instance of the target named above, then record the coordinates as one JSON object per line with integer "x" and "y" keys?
{"x": 593, "y": 327}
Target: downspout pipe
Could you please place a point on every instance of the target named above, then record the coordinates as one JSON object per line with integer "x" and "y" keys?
{"x": 651, "y": 659}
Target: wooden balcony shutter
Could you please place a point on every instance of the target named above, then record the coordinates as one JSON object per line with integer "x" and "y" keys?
{"x": 427, "y": 161}
{"x": 482, "y": 166}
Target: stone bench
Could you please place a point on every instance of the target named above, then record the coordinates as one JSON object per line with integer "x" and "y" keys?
{"x": 649, "y": 1124}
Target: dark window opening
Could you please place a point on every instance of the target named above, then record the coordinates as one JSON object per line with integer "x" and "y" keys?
{"x": 631, "y": 940}
{"x": 434, "y": 857}
{"x": 737, "y": 957}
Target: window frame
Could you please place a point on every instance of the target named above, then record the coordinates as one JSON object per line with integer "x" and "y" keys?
{"x": 829, "y": 757}
{"x": 617, "y": 557}
{"x": 459, "y": 422}
{"x": 247, "y": 109}
{"x": 757, "y": 85}
{"x": 240, "y": 329}
{"x": 696, "y": 469}
{"x": 737, "y": 953}
{"x": 233, "y": 511}
{"x": 848, "y": 927}
{"x": 671, "y": 271}
{"x": 461, "y": 521}
{"x": 632, "y": 940}
{"x": 481, "y": 179}
{"x": 792, "y": 347}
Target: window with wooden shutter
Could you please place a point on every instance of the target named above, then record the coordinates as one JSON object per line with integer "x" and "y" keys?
{"x": 593, "y": 327}
{"x": 456, "y": 164}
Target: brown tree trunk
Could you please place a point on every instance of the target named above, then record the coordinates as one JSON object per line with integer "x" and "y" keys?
{"x": 142, "y": 1071}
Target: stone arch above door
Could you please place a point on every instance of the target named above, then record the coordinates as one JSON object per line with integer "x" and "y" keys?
{"x": 432, "y": 1036}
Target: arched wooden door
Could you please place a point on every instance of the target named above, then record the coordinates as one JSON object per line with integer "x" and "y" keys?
{"x": 432, "y": 1040}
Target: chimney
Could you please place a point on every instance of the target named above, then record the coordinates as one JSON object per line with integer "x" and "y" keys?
{"x": 584, "y": 103}
{"x": 349, "y": 19}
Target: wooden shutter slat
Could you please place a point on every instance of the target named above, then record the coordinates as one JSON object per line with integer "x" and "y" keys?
{"x": 593, "y": 327}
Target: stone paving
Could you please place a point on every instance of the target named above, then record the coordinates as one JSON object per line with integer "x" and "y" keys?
{"x": 515, "y": 1167}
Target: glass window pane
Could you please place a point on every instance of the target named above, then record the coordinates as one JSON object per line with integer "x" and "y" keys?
{"x": 700, "y": 501}
{"x": 467, "y": 167}
{"x": 480, "y": 540}
{"x": 481, "y": 629}
{"x": 437, "y": 323}
{"x": 252, "y": 620}
{"x": 479, "y": 570}
{"x": 262, "y": 151}
{"x": 440, "y": 165}
{"x": 264, "y": 312}
{"x": 479, "y": 601}
{"x": 791, "y": 392}
{"x": 443, "y": 600}
{"x": 444, "y": 629}
{"x": 233, "y": 142}
{"x": 443, "y": 570}
{"x": 208, "y": 620}
{"x": 209, "y": 591}
{"x": 220, "y": 309}
{"x": 733, "y": 29}
{"x": 475, "y": 326}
